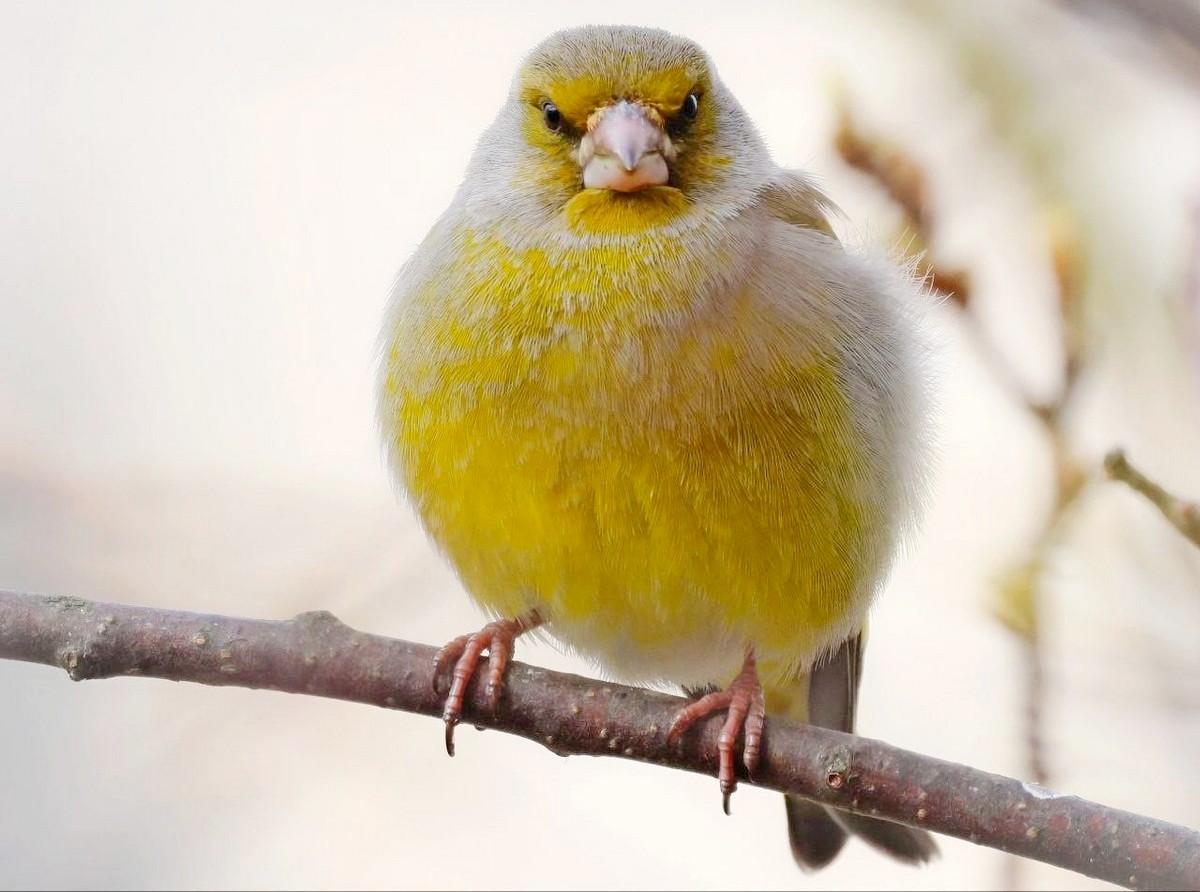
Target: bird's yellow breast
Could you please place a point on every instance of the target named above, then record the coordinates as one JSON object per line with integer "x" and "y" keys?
{"x": 665, "y": 477}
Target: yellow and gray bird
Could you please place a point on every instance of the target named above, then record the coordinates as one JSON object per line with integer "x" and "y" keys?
{"x": 641, "y": 396}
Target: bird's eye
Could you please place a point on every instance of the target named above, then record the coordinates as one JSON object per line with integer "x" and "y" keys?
{"x": 691, "y": 107}
{"x": 552, "y": 116}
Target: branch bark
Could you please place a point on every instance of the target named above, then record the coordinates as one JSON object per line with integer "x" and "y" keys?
{"x": 318, "y": 655}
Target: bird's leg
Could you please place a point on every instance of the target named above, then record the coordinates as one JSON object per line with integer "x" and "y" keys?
{"x": 497, "y": 638}
{"x": 747, "y": 712}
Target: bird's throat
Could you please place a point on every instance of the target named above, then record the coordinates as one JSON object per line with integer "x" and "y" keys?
{"x": 602, "y": 211}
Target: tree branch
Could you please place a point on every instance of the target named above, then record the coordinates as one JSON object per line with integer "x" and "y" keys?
{"x": 1183, "y": 515}
{"x": 318, "y": 655}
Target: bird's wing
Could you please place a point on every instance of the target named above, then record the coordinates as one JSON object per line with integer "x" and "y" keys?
{"x": 794, "y": 198}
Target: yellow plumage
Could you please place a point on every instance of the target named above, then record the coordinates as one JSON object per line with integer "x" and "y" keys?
{"x": 644, "y": 472}
{"x": 674, "y": 421}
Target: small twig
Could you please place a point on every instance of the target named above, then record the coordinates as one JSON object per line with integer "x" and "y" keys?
{"x": 1035, "y": 709}
{"x": 318, "y": 655}
{"x": 1183, "y": 515}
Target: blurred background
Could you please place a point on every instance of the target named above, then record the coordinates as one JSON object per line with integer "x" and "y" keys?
{"x": 201, "y": 209}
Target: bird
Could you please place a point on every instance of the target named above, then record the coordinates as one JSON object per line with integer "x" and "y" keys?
{"x": 642, "y": 397}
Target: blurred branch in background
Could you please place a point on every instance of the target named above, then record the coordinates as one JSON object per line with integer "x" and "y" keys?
{"x": 1018, "y": 596}
{"x": 1183, "y": 515}
{"x": 1164, "y": 35}
{"x": 1168, "y": 30}
{"x": 1038, "y": 112}
{"x": 316, "y": 654}
{"x": 904, "y": 182}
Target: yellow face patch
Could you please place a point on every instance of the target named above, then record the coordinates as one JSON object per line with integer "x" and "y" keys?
{"x": 583, "y": 87}
{"x": 617, "y": 213}
{"x": 577, "y": 98}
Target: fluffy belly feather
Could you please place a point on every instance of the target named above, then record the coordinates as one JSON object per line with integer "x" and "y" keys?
{"x": 659, "y": 540}
{"x": 666, "y": 468}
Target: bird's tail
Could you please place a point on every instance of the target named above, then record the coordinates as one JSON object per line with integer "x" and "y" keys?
{"x": 817, "y": 833}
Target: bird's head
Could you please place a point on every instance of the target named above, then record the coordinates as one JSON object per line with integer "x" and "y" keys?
{"x": 620, "y": 127}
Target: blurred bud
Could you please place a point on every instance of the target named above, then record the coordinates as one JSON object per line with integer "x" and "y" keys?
{"x": 1016, "y": 599}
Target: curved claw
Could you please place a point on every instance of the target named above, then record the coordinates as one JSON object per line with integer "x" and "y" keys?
{"x": 747, "y": 715}
{"x": 464, "y": 652}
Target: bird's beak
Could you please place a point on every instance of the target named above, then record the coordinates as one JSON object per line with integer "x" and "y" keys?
{"x": 625, "y": 149}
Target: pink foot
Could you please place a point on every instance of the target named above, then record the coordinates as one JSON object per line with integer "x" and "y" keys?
{"x": 497, "y": 639}
{"x": 747, "y": 711}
